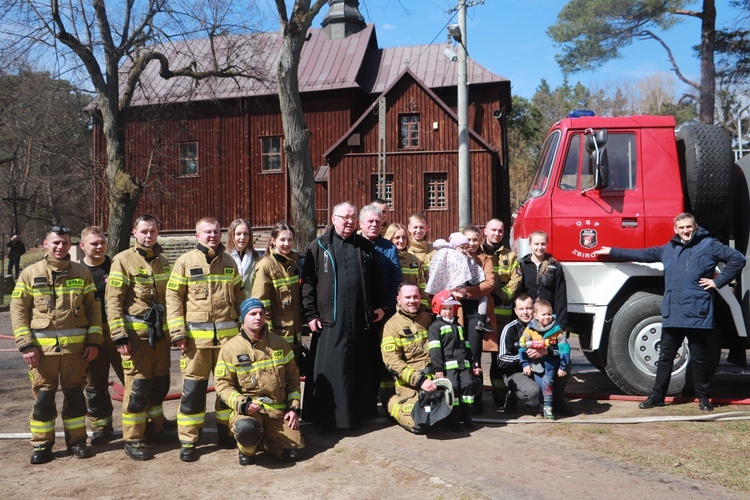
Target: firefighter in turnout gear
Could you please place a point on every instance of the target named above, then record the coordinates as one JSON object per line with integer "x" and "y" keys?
{"x": 406, "y": 355}
{"x": 204, "y": 294}
{"x": 508, "y": 279}
{"x": 257, "y": 377}
{"x": 57, "y": 326}
{"x": 135, "y": 304}
{"x": 276, "y": 283}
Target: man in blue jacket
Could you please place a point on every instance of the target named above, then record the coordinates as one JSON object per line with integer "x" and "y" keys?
{"x": 689, "y": 260}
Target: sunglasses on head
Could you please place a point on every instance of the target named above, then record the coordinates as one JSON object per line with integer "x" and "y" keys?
{"x": 58, "y": 230}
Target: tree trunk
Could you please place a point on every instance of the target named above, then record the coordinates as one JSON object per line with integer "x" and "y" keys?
{"x": 296, "y": 137}
{"x": 708, "y": 68}
{"x": 124, "y": 192}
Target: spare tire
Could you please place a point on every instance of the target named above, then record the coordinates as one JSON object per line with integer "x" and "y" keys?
{"x": 706, "y": 159}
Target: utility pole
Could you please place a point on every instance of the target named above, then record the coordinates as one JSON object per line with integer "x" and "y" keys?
{"x": 464, "y": 169}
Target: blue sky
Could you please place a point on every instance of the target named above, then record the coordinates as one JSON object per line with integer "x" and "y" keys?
{"x": 509, "y": 38}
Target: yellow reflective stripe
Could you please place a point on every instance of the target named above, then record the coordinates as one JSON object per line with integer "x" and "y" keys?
{"x": 406, "y": 374}
{"x": 223, "y": 414}
{"x": 161, "y": 277}
{"x": 394, "y": 410}
{"x": 275, "y": 406}
{"x": 265, "y": 364}
{"x": 134, "y": 418}
{"x": 266, "y": 302}
{"x": 70, "y": 424}
{"x": 101, "y": 422}
{"x": 232, "y": 400}
{"x": 228, "y": 332}
{"x": 403, "y": 341}
{"x": 176, "y": 323}
{"x": 286, "y": 281}
{"x": 223, "y": 365}
{"x": 445, "y": 330}
{"x": 124, "y": 278}
{"x": 434, "y": 344}
{"x": 411, "y": 271}
{"x": 194, "y": 419}
{"x": 293, "y": 395}
{"x": 467, "y": 399}
{"x": 116, "y": 323}
{"x": 155, "y": 411}
{"x": 175, "y": 281}
{"x": 39, "y": 427}
{"x": 93, "y": 329}
{"x": 502, "y": 311}
{"x": 21, "y": 331}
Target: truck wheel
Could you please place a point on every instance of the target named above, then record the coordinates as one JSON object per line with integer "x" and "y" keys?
{"x": 633, "y": 348}
{"x": 706, "y": 159}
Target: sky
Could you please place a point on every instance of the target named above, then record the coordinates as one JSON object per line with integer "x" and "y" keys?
{"x": 509, "y": 38}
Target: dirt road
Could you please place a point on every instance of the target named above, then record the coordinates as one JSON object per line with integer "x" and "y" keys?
{"x": 382, "y": 461}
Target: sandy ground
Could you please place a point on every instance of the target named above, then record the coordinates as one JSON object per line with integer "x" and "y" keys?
{"x": 498, "y": 460}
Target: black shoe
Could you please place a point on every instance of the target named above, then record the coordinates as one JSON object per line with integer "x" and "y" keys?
{"x": 455, "y": 426}
{"x": 419, "y": 429}
{"x": 705, "y": 405}
{"x": 80, "y": 450}
{"x": 102, "y": 437}
{"x": 41, "y": 454}
{"x": 188, "y": 452}
{"x": 564, "y": 410}
{"x": 289, "y": 455}
{"x": 246, "y": 459}
{"x": 481, "y": 327}
{"x": 650, "y": 402}
{"x": 225, "y": 440}
{"x": 169, "y": 425}
{"x": 469, "y": 424}
{"x": 511, "y": 401}
{"x": 478, "y": 407}
{"x": 137, "y": 450}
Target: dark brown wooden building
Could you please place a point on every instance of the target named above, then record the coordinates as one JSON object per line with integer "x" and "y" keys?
{"x": 215, "y": 147}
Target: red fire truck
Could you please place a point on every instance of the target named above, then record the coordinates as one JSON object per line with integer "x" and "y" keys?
{"x": 619, "y": 181}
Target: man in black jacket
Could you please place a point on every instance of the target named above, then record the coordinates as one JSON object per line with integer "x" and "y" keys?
{"x": 521, "y": 386}
{"x": 342, "y": 298}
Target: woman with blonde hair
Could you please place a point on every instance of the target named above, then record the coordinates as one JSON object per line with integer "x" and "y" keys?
{"x": 276, "y": 284}
{"x": 411, "y": 267}
{"x": 240, "y": 247}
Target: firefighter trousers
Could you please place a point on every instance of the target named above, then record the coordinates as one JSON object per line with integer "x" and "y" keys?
{"x": 98, "y": 399}
{"x": 68, "y": 371}
{"x": 197, "y": 365}
{"x": 146, "y": 385}
{"x": 273, "y": 434}
{"x": 400, "y": 409}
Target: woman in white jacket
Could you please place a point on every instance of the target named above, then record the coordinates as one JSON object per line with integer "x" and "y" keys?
{"x": 240, "y": 247}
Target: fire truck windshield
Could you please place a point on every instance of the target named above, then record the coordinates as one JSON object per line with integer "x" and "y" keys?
{"x": 544, "y": 167}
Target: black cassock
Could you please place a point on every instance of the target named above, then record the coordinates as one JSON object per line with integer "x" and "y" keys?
{"x": 341, "y": 389}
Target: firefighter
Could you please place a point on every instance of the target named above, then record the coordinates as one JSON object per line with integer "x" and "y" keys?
{"x": 508, "y": 278}
{"x": 94, "y": 246}
{"x": 136, "y": 289}
{"x": 257, "y": 376}
{"x": 406, "y": 355}
{"x": 204, "y": 294}
{"x": 276, "y": 284}
{"x": 57, "y": 325}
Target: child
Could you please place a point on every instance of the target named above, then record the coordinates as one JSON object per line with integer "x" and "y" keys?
{"x": 453, "y": 268}
{"x": 450, "y": 357}
{"x": 543, "y": 332}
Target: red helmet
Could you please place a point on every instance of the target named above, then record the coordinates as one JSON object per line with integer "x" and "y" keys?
{"x": 443, "y": 298}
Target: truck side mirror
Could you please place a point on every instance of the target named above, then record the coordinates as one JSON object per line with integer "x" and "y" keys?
{"x": 595, "y": 142}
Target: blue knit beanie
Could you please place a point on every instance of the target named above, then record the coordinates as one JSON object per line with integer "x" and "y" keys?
{"x": 249, "y": 304}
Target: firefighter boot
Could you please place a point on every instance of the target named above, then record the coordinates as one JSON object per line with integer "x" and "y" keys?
{"x": 102, "y": 436}
{"x": 188, "y": 452}
{"x": 246, "y": 459}
{"x": 80, "y": 450}
{"x": 137, "y": 450}
{"x": 225, "y": 439}
{"x": 466, "y": 417}
{"x": 41, "y": 454}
